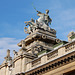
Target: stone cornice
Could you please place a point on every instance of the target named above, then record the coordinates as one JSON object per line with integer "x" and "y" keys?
{"x": 66, "y": 59}
{"x": 24, "y": 55}
{"x": 40, "y": 31}
{"x": 38, "y": 35}
{"x": 3, "y": 65}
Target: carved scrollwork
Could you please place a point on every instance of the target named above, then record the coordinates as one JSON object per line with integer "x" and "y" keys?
{"x": 44, "y": 36}
{"x": 57, "y": 40}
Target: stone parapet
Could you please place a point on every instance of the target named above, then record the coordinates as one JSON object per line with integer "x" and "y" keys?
{"x": 51, "y": 56}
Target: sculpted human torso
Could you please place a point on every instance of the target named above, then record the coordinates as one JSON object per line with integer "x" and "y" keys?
{"x": 41, "y": 17}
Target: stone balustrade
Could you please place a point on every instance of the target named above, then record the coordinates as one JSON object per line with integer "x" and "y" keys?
{"x": 52, "y": 55}
{"x": 70, "y": 47}
{"x": 36, "y": 63}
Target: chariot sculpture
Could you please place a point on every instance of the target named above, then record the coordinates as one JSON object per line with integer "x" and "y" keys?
{"x": 42, "y": 22}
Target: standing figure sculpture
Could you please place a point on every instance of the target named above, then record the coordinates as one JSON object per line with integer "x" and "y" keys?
{"x": 44, "y": 18}
{"x": 41, "y": 18}
{"x": 47, "y": 18}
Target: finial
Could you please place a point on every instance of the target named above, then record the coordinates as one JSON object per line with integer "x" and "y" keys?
{"x": 8, "y": 53}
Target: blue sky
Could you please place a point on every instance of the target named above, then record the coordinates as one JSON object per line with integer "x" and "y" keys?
{"x": 13, "y": 13}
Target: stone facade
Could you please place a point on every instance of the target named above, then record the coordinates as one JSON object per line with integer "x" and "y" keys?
{"x": 41, "y": 53}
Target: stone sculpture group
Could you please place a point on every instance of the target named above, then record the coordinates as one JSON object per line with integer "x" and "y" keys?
{"x": 42, "y": 22}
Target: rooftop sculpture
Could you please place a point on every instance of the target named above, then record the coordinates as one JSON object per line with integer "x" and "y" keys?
{"x": 44, "y": 18}
{"x": 42, "y": 22}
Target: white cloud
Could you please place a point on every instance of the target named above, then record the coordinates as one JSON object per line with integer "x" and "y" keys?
{"x": 7, "y": 43}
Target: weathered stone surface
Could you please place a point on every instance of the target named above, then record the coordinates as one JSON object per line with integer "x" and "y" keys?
{"x": 41, "y": 23}
{"x": 70, "y": 36}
